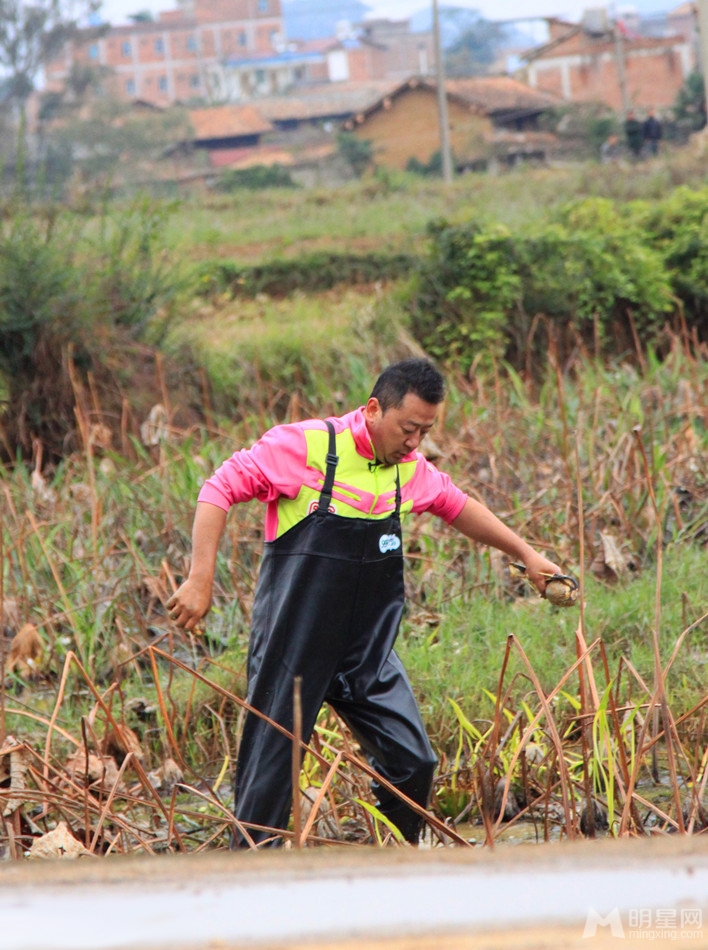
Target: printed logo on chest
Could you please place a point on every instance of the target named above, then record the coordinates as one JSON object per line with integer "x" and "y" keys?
{"x": 389, "y": 542}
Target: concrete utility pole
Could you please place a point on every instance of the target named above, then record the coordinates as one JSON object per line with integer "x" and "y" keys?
{"x": 442, "y": 99}
{"x": 621, "y": 70}
{"x": 703, "y": 41}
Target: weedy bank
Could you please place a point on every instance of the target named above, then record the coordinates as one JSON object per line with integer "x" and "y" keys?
{"x": 125, "y": 729}
{"x": 120, "y": 733}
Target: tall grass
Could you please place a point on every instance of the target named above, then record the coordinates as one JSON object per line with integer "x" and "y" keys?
{"x": 607, "y": 462}
{"x": 117, "y": 723}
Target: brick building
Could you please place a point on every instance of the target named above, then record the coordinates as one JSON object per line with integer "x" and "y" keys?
{"x": 168, "y": 60}
{"x": 588, "y": 62}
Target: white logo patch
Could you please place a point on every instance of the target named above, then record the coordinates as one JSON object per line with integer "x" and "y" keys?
{"x": 389, "y": 542}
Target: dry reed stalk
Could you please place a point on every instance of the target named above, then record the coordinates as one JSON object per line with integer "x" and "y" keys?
{"x": 657, "y": 811}
{"x": 634, "y": 775}
{"x": 545, "y": 710}
{"x": 2, "y": 629}
{"x": 498, "y": 704}
{"x": 669, "y": 734}
{"x": 82, "y": 801}
{"x": 43, "y": 721}
{"x": 148, "y": 786}
{"x": 623, "y": 780}
{"x": 581, "y": 648}
{"x": 296, "y": 759}
{"x": 317, "y": 804}
{"x": 126, "y": 446}
{"x": 372, "y": 774}
{"x": 68, "y": 609}
{"x": 55, "y": 712}
{"x": 109, "y": 801}
{"x": 567, "y": 799}
{"x": 163, "y": 709}
{"x": 85, "y": 430}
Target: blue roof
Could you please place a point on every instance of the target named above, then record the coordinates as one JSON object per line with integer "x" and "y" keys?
{"x": 275, "y": 59}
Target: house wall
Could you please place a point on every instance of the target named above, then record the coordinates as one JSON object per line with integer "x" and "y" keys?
{"x": 404, "y": 53}
{"x": 166, "y": 61}
{"x": 408, "y": 128}
{"x": 653, "y": 75}
{"x": 366, "y": 63}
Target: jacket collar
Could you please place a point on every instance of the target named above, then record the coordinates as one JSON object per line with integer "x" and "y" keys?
{"x": 362, "y": 439}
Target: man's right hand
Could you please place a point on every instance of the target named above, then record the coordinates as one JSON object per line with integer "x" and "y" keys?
{"x": 192, "y": 600}
{"x": 189, "y": 603}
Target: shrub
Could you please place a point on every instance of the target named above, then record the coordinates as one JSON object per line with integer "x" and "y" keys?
{"x": 358, "y": 153}
{"x": 464, "y": 292}
{"x": 255, "y": 178}
{"x": 311, "y": 272}
{"x": 40, "y": 314}
{"x": 589, "y": 269}
{"x": 677, "y": 229}
{"x": 72, "y": 298}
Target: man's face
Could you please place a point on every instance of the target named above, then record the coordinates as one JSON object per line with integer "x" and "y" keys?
{"x": 398, "y": 431}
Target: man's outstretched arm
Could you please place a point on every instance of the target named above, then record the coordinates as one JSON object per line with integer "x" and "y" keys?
{"x": 479, "y": 524}
{"x": 192, "y": 600}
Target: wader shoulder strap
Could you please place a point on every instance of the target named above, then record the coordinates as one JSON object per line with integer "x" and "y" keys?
{"x": 332, "y": 459}
{"x": 398, "y": 492}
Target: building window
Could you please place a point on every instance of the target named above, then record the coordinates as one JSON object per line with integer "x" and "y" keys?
{"x": 194, "y": 82}
{"x": 260, "y": 76}
{"x": 192, "y": 44}
{"x": 262, "y": 6}
{"x": 93, "y": 51}
{"x": 159, "y": 46}
{"x": 163, "y": 84}
{"x": 130, "y": 87}
{"x": 125, "y": 48}
{"x": 242, "y": 39}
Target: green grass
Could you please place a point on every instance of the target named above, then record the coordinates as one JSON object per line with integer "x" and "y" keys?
{"x": 251, "y": 227}
{"x": 460, "y": 656}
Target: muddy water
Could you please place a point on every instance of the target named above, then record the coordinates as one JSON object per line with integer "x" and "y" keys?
{"x": 396, "y": 898}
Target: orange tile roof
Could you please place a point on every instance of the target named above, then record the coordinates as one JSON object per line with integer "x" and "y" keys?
{"x": 499, "y": 93}
{"x": 579, "y": 43}
{"x": 225, "y": 121}
{"x": 327, "y": 99}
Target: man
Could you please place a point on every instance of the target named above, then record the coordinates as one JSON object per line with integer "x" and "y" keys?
{"x": 634, "y": 134}
{"x": 651, "y": 131}
{"x": 330, "y": 590}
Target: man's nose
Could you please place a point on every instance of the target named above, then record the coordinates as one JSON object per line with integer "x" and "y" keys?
{"x": 412, "y": 441}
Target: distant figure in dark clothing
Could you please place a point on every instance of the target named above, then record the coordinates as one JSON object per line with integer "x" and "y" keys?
{"x": 634, "y": 133}
{"x": 651, "y": 131}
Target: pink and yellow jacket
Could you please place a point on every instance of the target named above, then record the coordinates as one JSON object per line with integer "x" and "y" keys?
{"x": 285, "y": 468}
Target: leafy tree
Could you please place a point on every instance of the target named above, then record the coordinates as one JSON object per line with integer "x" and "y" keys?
{"x": 690, "y": 105}
{"x": 107, "y": 137}
{"x": 31, "y": 34}
{"x": 359, "y": 153}
{"x": 473, "y": 41}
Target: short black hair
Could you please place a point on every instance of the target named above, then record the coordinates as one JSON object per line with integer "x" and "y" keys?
{"x": 417, "y": 376}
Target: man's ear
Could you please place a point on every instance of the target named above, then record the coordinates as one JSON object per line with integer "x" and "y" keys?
{"x": 372, "y": 409}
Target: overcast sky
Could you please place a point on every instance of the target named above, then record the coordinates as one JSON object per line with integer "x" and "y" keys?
{"x": 117, "y": 11}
